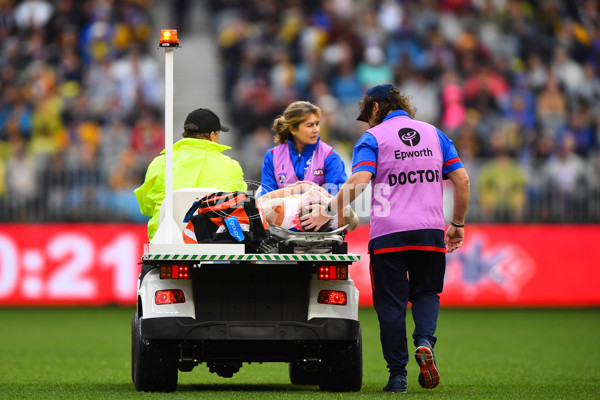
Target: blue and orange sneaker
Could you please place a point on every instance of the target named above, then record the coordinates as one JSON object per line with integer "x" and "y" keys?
{"x": 396, "y": 384}
{"x": 429, "y": 376}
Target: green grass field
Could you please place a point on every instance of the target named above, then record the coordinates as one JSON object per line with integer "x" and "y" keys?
{"x": 84, "y": 353}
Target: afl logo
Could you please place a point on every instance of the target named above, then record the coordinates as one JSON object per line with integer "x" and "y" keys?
{"x": 318, "y": 172}
{"x": 409, "y": 136}
{"x": 282, "y": 178}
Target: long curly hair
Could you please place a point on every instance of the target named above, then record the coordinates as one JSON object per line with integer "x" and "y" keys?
{"x": 293, "y": 115}
{"x": 395, "y": 101}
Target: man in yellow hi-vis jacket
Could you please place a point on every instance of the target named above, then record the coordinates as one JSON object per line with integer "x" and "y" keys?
{"x": 198, "y": 161}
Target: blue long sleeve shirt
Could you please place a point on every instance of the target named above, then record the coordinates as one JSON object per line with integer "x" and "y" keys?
{"x": 335, "y": 171}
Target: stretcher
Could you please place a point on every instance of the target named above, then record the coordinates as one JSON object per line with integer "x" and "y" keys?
{"x": 309, "y": 242}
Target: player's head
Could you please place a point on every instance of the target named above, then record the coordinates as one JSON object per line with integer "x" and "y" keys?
{"x": 309, "y": 198}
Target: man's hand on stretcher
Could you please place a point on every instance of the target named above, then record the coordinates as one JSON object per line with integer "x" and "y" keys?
{"x": 316, "y": 219}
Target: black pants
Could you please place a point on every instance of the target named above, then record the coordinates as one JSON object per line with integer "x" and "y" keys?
{"x": 400, "y": 277}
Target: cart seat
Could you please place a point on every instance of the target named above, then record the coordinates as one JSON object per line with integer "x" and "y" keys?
{"x": 182, "y": 201}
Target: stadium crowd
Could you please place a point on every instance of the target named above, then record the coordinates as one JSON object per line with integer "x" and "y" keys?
{"x": 515, "y": 84}
{"x": 80, "y": 108}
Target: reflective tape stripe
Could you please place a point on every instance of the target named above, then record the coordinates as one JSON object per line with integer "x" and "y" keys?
{"x": 254, "y": 257}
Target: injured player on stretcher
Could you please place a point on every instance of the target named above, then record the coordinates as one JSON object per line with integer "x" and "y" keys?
{"x": 284, "y": 207}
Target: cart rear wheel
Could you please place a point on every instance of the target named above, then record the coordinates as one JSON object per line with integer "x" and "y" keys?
{"x": 153, "y": 363}
{"x": 341, "y": 369}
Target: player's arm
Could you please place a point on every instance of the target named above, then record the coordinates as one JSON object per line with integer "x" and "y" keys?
{"x": 270, "y": 208}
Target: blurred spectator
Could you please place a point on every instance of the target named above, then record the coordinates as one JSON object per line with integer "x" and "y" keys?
{"x": 101, "y": 89}
{"x": 485, "y": 83}
{"x": 123, "y": 179}
{"x": 7, "y": 19}
{"x": 252, "y": 153}
{"x": 580, "y": 131}
{"x": 66, "y": 21}
{"x": 437, "y": 56}
{"x": 15, "y": 110}
{"x": 520, "y": 105}
{"x": 21, "y": 180}
{"x": 588, "y": 90}
{"x": 564, "y": 177}
{"x": 32, "y": 14}
{"x": 55, "y": 187}
{"x": 501, "y": 185}
{"x": 391, "y": 16}
{"x": 231, "y": 41}
{"x": 147, "y": 136}
{"x": 425, "y": 96}
{"x": 371, "y": 31}
{"x": 453, "y": 107}
{"x": 536, "y": 72}
{"x": 115, "y": 139}
{"x": 568, "y": 72}
{"x": 255, "y": 101}
{"x": 137, "y": 81}
{"x": 551, "y": 108}
{"x": 466, "y": 140}
{"x": 283, "y": 78}
{"x": 373, "y": 70}
{"x": 345, "y": 83}
{"x": 86, "y": 198}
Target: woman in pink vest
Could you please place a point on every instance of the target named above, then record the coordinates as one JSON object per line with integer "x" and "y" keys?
{"x": 405, "y": 161}
{"x": 300, "y": 154}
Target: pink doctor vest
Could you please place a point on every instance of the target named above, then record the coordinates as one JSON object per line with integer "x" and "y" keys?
{"x": 407, "y": 188}
{"x": 284, "y": 168}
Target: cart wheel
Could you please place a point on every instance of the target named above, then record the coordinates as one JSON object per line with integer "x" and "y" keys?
{"x": 341, "y": 369}
{"x": 153, "y": 364}
{"x": 299, "y": 376}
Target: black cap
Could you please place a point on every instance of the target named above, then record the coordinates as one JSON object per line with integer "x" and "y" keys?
{"x": 379, "y": 92}
{"x": 206, "y": 121}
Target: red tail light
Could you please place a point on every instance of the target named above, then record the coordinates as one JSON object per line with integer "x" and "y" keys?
{"x": 333, "y": 272}
{"x": 335, "y": 297}
{"x": 171, "y": 296}
{"x": 174, "y": 272}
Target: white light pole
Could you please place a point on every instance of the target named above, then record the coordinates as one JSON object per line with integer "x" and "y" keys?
{"x": 168, "y": 226}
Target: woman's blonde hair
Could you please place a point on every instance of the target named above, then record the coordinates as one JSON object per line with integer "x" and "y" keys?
{"x": 294, "y": 115}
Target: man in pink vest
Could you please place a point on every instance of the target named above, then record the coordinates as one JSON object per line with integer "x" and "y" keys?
{"x": 405, "y": 161}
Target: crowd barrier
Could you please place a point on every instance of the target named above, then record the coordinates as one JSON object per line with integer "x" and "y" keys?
{"x": 498, "y": 265}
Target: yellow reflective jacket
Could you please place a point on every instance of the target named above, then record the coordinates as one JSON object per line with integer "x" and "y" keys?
{"x": 196, "y": 163}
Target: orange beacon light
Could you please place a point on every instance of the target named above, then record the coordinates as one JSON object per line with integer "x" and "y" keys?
{"x": 168, "y": 38}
